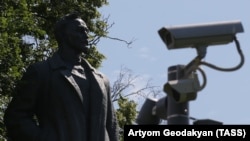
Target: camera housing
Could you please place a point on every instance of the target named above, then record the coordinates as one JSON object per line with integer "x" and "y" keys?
{"x": 152, "y": 111}
{"x": 183, "y": 90}
{"x": 197, "y": 35}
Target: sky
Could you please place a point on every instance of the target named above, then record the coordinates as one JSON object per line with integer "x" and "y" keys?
{"x": 226, "y": 97}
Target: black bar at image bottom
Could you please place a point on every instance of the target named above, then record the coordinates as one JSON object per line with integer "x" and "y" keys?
{"x": 193, "y": 132}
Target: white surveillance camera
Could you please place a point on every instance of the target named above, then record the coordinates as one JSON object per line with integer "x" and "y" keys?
{"x": 198, "y": 35}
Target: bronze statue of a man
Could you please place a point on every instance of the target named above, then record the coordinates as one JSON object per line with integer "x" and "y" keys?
{"x": 69, "y": 99}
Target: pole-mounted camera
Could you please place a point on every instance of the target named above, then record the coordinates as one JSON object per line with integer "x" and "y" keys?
{"x": 199, "y": 35}
{"x": 183, "y": 83}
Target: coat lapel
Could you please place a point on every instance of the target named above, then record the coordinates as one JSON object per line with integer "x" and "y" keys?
{"x": 98, "y": 101}
{"x": 67, "y": 74}
{"x": 96, "y": 76}
{"x": 57, "y": 63}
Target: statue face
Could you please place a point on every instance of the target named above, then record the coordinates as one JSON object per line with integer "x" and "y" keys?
{"x": 77, "y": 36}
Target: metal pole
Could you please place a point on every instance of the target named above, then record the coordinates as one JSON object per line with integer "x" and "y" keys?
{"x": 178, "y": 113}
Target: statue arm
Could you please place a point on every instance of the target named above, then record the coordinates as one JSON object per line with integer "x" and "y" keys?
{"x": 112, "y": 123}
{"x": 19, "y": 115}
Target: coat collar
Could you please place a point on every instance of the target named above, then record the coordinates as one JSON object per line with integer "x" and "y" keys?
{"x": 56, "y": 63}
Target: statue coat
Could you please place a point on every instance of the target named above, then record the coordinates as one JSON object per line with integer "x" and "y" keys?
{"x": 49, "y": 91}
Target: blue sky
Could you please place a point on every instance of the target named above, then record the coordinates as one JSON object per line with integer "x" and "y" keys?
{"x": 226, "y": 97}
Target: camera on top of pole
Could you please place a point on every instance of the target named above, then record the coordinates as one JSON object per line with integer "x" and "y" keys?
{"x": 183, "y": 82}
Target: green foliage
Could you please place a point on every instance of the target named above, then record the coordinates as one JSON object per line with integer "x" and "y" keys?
{"x": 126, "y": 113}
{"x": 3, "y": 102}
{"x": 94, "y": 57}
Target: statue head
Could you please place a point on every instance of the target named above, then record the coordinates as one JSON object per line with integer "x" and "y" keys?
{"x": 72, "y": 32}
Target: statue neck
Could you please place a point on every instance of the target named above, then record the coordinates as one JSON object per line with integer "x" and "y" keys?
{"x": 70, "y": 56}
